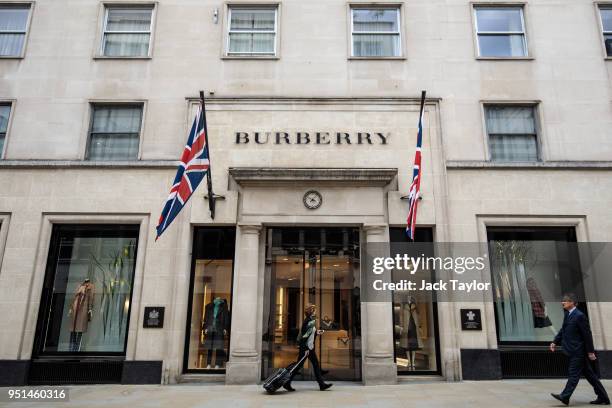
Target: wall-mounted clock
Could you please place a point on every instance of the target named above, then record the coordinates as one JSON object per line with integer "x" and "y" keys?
{"x": 312, "y": 199}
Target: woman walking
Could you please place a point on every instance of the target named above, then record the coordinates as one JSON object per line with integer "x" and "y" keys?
{"x": 306, "y": 340}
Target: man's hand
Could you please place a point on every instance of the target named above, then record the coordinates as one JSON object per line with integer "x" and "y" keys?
{"x": 592, "y": 356}
{"x": 552, "y": 347}
{"x": 320, "y": 332}
{"x": 205, "y": 331}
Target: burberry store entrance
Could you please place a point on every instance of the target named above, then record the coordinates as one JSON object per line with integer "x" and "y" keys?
{"x": 318, "y": 266}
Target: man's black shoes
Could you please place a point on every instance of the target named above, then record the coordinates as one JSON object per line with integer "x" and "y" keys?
{"x": 560, "y": 398}
{"x": 324, "y": 386}
{"x": 600, "y": 402}
{"x": 288, "y": 387}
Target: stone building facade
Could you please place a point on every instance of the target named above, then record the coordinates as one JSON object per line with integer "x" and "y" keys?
{"x": 314, "y": 100}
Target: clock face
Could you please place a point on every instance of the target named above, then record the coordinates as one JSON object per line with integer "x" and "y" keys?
{"x": 312, "y": 199}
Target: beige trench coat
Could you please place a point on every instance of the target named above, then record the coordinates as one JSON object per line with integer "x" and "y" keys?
{"x": 81, "y": 307}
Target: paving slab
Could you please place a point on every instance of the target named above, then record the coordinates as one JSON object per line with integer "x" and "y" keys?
{"x": 435, "y": 394}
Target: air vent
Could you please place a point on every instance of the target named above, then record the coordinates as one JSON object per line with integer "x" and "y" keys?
{"x": 75, "y": 372}
{"x": 533, "y": 364}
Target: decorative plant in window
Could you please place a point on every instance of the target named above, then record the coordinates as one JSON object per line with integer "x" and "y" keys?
{"x": 116, "y": 287}
{"x": 510, "y": 261}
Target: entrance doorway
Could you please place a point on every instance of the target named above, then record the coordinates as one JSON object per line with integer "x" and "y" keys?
{"x": 318, "y": 266}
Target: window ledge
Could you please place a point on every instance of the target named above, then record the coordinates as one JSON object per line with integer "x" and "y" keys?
{"x": 505, "y": 58}
{"x": 376, "y": 58}
{"x": 547, "y": 165}
{"x": 12, "y": 57}
{"x": 608, "y": 58}
{"x": 250, "y": 57}
{"x": 86, "y": 164}
{"x": 103, "y": 57}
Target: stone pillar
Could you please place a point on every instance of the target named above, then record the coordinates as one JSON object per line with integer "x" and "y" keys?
{"x": 378, "y": 364}
{"x": 244, "y": 365}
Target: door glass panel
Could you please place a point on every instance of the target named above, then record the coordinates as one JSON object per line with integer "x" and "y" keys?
{"x": 319, "y": 266}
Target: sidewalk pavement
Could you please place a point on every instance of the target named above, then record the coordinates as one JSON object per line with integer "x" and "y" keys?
{"x": 422, "y": 394}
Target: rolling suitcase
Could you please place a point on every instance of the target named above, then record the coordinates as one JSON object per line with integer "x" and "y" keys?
{"x": 281, "y": 376}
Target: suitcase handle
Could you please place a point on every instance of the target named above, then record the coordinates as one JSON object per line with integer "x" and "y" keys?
{"x": 299, "y": 362}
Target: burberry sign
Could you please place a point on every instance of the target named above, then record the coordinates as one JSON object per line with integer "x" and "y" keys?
{"x": 312, "y": 138}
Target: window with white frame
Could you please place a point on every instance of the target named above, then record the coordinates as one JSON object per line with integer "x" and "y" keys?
{"x": 500, "y": 31}
{"x": 5, "y": 113}
{"x": 375, "y": 32}
{"x": 252, "y": 31}
{"x": 127, "y": 31}
{"x": 13, "y": 28}
{"x": 606, "y": 24}
{"x": 114, "y": 132}
{"x": 512, "y": 132}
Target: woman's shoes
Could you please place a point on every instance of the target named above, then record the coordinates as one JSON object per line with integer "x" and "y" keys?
{"x": 288, "y": 387}
{"x": 324, "y": 386}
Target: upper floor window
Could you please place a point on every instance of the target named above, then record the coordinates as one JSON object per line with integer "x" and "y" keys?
{"x": 127, "y": 31}
{"x": 115, "y": 132}
{"x": 5, "y": 113}
{"x": 606, "y": 23}
{"x": 375, "y": 32}
{"x": 13, "y": 28}
{"x": 500, "y": 31}
{"x": 512, "y": 132}
{"x": 252, "y": 31}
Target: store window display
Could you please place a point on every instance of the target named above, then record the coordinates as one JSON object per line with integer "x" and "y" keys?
{"x": 531, "y": 268}
{"x": 414, "y": 313}
{"x": 209, "y": 320}
{"x": 85, "y": 305}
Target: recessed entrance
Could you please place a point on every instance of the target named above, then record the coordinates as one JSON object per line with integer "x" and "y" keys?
{"x": 320, "y": 266}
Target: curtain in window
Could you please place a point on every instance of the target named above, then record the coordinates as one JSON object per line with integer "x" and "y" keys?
{"x": 126, "y": 45}
{"x": 375, "y": 20}
{"x": 115, "y": 146}
{"x": 11, "y": 44}
{"x": 252, "y": 20}
{"x": 129, "y": 20}
{"x": 375, "y": 45}
{"x": 502, "y": 45}
{"x": 512, "y": 133}
{"x": 370, "y": 22}
{"x": 499, "y": 19}
{"x": 510, "y": 119}
{"x": 252, "y": 42}
{"x": 13, "y": 19}
{"x": 127, "y": 32}
{"x": 5, "y": 111}
{"x": 115, "y": 133}
{"x": 606, "y": 19}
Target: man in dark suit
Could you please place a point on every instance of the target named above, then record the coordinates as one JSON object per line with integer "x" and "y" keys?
{"x": 577, "y": 343}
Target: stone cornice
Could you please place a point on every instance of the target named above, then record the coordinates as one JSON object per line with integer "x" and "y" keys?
{"x": 276, "y": 175}
{"x": 87, "y": 164}
{"x": 546, "y": 165}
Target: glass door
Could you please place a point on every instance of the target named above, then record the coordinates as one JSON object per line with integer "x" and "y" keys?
{"x": 318, "y": 266}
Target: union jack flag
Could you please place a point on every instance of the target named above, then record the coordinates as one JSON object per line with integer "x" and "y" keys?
{"x": 415, "y": 187}
{"x": 191, "y": 171}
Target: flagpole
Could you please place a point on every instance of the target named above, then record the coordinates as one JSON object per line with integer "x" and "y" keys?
{"x": 211, "y": 195}
{"x": 422, "y": 105}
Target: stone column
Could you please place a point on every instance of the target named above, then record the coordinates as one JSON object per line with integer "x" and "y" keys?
{"x": 244, "y": 365}
{"x": 378, "y": 365}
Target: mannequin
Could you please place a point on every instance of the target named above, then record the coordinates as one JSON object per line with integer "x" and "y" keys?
{"x": 81, "y": 310}
{"x": 215, "y": 326}
{"x": 411, "y": 341}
